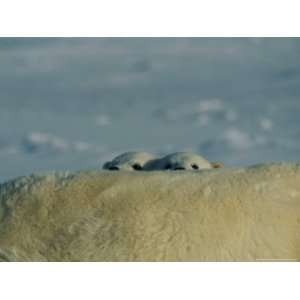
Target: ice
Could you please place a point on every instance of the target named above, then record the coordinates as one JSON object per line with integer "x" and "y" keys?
{"x": 231, "y": 115}
{"x": 70, "y": 103}
{"x": 82, "y": 146}
{"x": 238, "y": 139}
{"x": 266, "y": 124}
{"x": 201, "y": 112}
{"x": 103, "y": 120}
{"x": 40, "y": 142}
{"x": 210, "y": 105}
{"x": 45, "y": 143}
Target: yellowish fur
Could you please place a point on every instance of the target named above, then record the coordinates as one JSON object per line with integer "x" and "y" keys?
{"x": 214, "y": 215}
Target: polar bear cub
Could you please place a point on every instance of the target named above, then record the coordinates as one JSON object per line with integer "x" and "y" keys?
{"x": 183, "y": 161}
{"x": 130, "y": 161}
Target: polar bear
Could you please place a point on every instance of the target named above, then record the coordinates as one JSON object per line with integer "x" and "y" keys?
{"x": 248, "y": 214}
{"x": 183, "y": 161}
{"x": 129, "y": 161}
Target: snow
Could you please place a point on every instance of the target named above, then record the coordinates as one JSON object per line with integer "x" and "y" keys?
{"x": 72, "y": 103}
{"x": 238, "y": 139}
{"x": 210, "y": 105}
{"x": 38, "y": 141}
{"x": 103, "y": 120}
{"x": 266, "y": 124}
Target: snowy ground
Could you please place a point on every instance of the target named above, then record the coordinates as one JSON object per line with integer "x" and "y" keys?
{"x": 68, "y": 104}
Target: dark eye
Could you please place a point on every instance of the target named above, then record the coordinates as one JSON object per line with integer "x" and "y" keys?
{"x": 168, "y": 167}
{"x": 137, "y": 167}
{"x": 114, "y": 168}
{"x": 195, "y": 167}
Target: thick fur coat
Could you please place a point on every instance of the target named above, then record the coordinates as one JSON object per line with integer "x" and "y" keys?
{"x": 214, "y": 215}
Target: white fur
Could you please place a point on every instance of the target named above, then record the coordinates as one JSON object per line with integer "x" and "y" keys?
{"x": 245, "y": 214}
{"x": 180, "y": 161}
{"x": 127, "y": 161}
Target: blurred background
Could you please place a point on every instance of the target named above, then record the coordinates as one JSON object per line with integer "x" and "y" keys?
{"x": 73, "y": 103}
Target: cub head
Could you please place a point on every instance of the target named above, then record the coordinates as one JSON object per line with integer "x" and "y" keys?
{"x": 129, "y": 161}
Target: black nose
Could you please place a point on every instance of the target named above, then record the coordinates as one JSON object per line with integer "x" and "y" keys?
{"x": 179, "y": 168}
{"x": 137, "y": 167}
{"x": 113, "y": 168}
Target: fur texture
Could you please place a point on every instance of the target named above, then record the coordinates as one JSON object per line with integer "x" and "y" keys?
{"x": 214, "y": 215}
{"x": 180, "y": 161}
{"x": 129, "y": 161}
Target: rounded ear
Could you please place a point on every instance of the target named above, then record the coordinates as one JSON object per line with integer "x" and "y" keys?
{"x": 217, "y": 165}
{"x": 106, "y": 165}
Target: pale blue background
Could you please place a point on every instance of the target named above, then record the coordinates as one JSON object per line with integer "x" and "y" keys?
{"x": 73, "y": 103}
